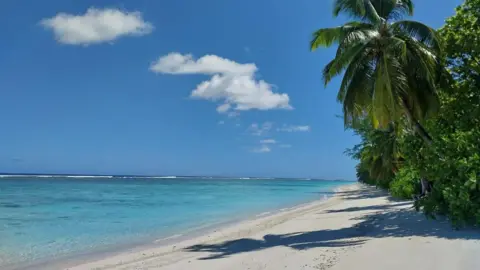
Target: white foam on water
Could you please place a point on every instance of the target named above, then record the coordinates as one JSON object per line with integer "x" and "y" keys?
{"x": 264, "y": 214}
{"x": 168, "y": 238}
{"x": 87, "y": 176}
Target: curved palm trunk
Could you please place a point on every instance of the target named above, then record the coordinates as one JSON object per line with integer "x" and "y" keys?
{"x": 419, "y": 129}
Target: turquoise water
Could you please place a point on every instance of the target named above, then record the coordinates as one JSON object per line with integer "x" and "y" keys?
{"x": 45, "y": 218}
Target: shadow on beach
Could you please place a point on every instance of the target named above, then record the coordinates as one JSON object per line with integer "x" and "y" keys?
{"x": 388, "y": 221}
{"x": 364, "y": 192}
{"x": 370, "y": 207}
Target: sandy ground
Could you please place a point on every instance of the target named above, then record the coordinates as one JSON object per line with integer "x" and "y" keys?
{"x": 360, "y": 228}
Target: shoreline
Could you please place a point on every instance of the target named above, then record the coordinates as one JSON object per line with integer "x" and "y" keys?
{"x": 212, "y": 232}
{"x": 71, "y": 260}
{"x": 358, "y": 222}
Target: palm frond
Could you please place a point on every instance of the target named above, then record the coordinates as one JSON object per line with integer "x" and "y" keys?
{"x": 356, "y": 90}
{"x": 364, "y": 35}
{"x": 419, "y": 32}
{"x": 359, "y": 66}
{"x": 355, "y": 8}
{"x": 395, "y": 9}
{"x": 326, "y": 37}
{"x": 421, "y": 60}
{"x": 422, "y": 97}
{"x": 390, "y": 84}
{"x": 341, "y": 61}
{"x": 390, "y": 69}
{"x": 398, "y": 46}
{"x": 360, "y": 9}
{"x": 405, "y": 6}
{"x": 384, "y": 7}
{"x": 383, "y": 100}
{"x": 422, "y": 69}
{"x": 425, "y": 102}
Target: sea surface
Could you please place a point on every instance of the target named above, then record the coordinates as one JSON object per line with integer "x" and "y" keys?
{"x": 49, "y": 217}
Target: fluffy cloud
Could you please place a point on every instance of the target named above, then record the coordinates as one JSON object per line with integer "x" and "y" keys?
{"x": 221, "y": 122}
{"x": 96, "y": 26}
{"x": 232, "y": 83}
{"x": 223, "y": 108}
{"x": 287, "y": 128}
{"x": 176, "y": 63}
{"x": 259, "y": 130}
{"x": 262, "y": 149}
{"x": 268, "y": 141}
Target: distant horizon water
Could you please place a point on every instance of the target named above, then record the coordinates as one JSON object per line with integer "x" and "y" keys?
{"x": 159, "y": 176}
{"x": 47, "y": 217}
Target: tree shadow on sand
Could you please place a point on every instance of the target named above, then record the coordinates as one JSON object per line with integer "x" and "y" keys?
{"x": 370, "y": 207}
{"x": 390, "y": 223}
{"x": 362, "y": 193}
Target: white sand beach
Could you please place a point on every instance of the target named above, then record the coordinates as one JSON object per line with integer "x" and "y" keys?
{"x": 359, "y": 228}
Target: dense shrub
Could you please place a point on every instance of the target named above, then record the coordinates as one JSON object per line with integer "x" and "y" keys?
{"x": 405, "y": 184}
{"x": 452, "y": 162}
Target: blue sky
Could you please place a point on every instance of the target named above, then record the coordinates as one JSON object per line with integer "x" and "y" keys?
{"x": 173, "y": 87}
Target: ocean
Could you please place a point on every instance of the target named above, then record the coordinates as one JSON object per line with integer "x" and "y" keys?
{"x": 50, "y": 217}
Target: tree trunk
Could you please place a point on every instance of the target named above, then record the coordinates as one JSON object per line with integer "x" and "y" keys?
{"x": 426, "y": 187}
{"x": 419, "y": 129}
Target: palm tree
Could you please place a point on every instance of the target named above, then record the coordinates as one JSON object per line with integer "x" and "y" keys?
{"x": 378, "y": 154}
{"x": 390, "y": 65}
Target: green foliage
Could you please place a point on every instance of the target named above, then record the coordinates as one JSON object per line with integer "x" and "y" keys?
{"x": 390, "y": 66}
{"x": 405, "y": 184}
{"x": 373, "y": 10}
{"x": 451, "y": 162}
{"x": 363, "y": 175}
{"x": 462, "y": 41}
{"x": 378, "y": 154}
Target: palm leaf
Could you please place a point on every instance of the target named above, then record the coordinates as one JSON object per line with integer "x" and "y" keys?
{"x": 356, "y": 91}
{"x": 422, "y": 61}
{"x": 337, "y": 65}
{"x": 364, "y": 35}
{"x": 391, "y": 84}
{"x": 419, "y": 32}
{"x": 360, "y": 66}
{"x": 393, "y": 9}
{"x": 360, "y": 9}
{"x": 355, "y": 8}
{"x": 326, "y": 37}
{"x": 390, "y": 70}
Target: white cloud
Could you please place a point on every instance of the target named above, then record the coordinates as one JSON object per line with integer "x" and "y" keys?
{"x": 221, "y": 122}
{"x": 268, "y": 141}
{"x": 176, "y": 63}
{"x": 259, "y": 130}
{"x": 223, "y": 108}
{"x": 232, "y": 83}
{"x": 262, "y": 149}
{"x": 287, "y": 128}
{"x": 285, "y": 146}
{"x": 96, "y": 26}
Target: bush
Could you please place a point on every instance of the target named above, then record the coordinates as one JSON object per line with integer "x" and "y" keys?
{"x": 452, "y": 161}
{"x": 406, "y": 184}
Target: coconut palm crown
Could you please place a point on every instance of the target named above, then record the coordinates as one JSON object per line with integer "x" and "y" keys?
{"x": 390, "y": 64}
